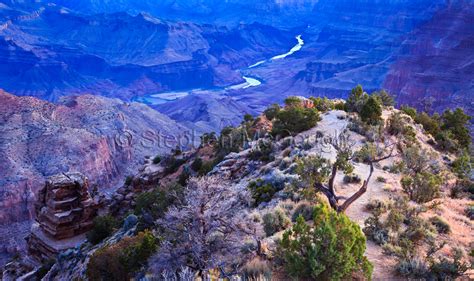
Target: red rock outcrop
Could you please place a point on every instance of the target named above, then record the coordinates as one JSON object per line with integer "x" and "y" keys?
{"x": 64, "y": 212}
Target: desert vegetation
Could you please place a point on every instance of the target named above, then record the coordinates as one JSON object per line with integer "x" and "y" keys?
{"x": 283, "y": 195}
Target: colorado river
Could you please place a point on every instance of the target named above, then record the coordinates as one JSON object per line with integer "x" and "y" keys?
{"x": 293, "y": 50}
{"x": 161, "y": 98}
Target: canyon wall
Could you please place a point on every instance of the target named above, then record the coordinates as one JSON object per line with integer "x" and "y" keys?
{"x": 434, "y": 68}
{"x": 103, "y": 138}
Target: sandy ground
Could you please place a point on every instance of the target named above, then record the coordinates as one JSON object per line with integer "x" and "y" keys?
{"x": 451, "y": 210}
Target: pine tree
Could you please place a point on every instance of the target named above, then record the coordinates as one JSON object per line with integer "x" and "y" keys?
{"x": 332, "y": 249}
{"x": 371, "y": 112}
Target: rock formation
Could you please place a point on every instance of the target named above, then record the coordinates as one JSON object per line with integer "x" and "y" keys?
{"x": 64, "y": 212}
{"x": 106, "y": 139}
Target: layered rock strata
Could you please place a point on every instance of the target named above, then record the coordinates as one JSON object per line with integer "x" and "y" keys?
{"x": 64, "y": 212}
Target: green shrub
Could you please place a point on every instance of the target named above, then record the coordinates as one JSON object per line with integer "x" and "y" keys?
{"x": 441, "y": 225}
{"x": 457, "y": 122}
{"x": 157, "y": 160}
{"x": 418, "y": 231}
{"x": 462, "y": 166}
{"x": 173, "y": 164}
{"x": 445, "y": 141}
{"x": 430, "y": 124}
{"x": 248, "y": 118}
{"x": 410, "y": 111}
{"x": 293, "y": 101}
{"x": 322, "y": 104}
{"x": 206, "y": 167}
{"x": 294, "y": 120}
{"x": 396, "y": 124}
{"x": 197, "y": 164}
{"x": 119, "y": 261}
{"x": 262, "y": 152}
{"x": 374, "y": 228}
{"x": 470, "y": 212}
{"x": 332, "y": 249}
{"x": 303, "y": 209}
{"x": 371, "y": 112}
{"x": 376, "y": 205}
{"x": 366, "y": 153}
{"x": 384, "y": 98}
{"x": 103, "y": 227}
{"x": 412, "y": 268}
{"x": 423, "y": 187}
{"x": 128, "y": 180}
{"x": 394, "y": 219}
{"x": 396, "y": 167}
{"x": 272, "y": 111}
{"x": 275, "y": 221}
{"x": 381, "y": 179}
{"x": 415, "y": 159}
{"x": 352, "y": 178}
{"x": 261, "y": 191}
{"x": 357, "y": 99}
{"x": 446, "y": 269}
{"x": 340, "y": 106}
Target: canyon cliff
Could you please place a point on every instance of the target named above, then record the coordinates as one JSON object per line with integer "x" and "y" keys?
{"x": 106, "y": 139}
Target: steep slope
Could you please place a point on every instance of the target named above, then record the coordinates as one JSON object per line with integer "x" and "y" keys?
{"x": 206, "y": 111}
{"x": 239, "y": 169}
{"x": 435, "y": 66}
{"x": 104, "y": 138}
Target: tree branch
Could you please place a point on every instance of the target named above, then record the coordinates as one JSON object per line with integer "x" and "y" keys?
{"x": 358, "y": 194}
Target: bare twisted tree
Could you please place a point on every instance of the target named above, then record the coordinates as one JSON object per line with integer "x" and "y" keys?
{"x": 207, "y": 230}
{"x": 323, "y": 178}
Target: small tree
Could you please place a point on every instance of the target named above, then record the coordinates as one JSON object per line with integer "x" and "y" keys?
{"x": 294, "y": 120}
{"x": 423, "y": 187}
{"x": 320, "y": 174}
{"x": 462, "y": 166}
{"x": 415, "y": 159}
{"x": 457, "y": 123}
{"x": 103, "y": 228}
{"x": 371, "y": 112}
{"x": 410, "y": 111}
{"x": 248, "y": 118}
{"x": 385, "y": 98}
{"x": 157, "y": 160}
{"x": 206, "y": 230}
{"x": 272, "y": 111}
{"x": 292, "y": 101}
{"x": 356, "y": 100}
{"x": 332, "y": 249}
{"x": 120, "y": 260}
{"x": 197, "y": 164}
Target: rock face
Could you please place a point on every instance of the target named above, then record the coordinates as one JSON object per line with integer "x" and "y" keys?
{"x": 435, "y": 66}
{"x": 64, "y": 211}
{"x": 105, "y": 139}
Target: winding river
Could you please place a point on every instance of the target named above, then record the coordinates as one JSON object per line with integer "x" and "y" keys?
{"x": 161, "y": 98}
